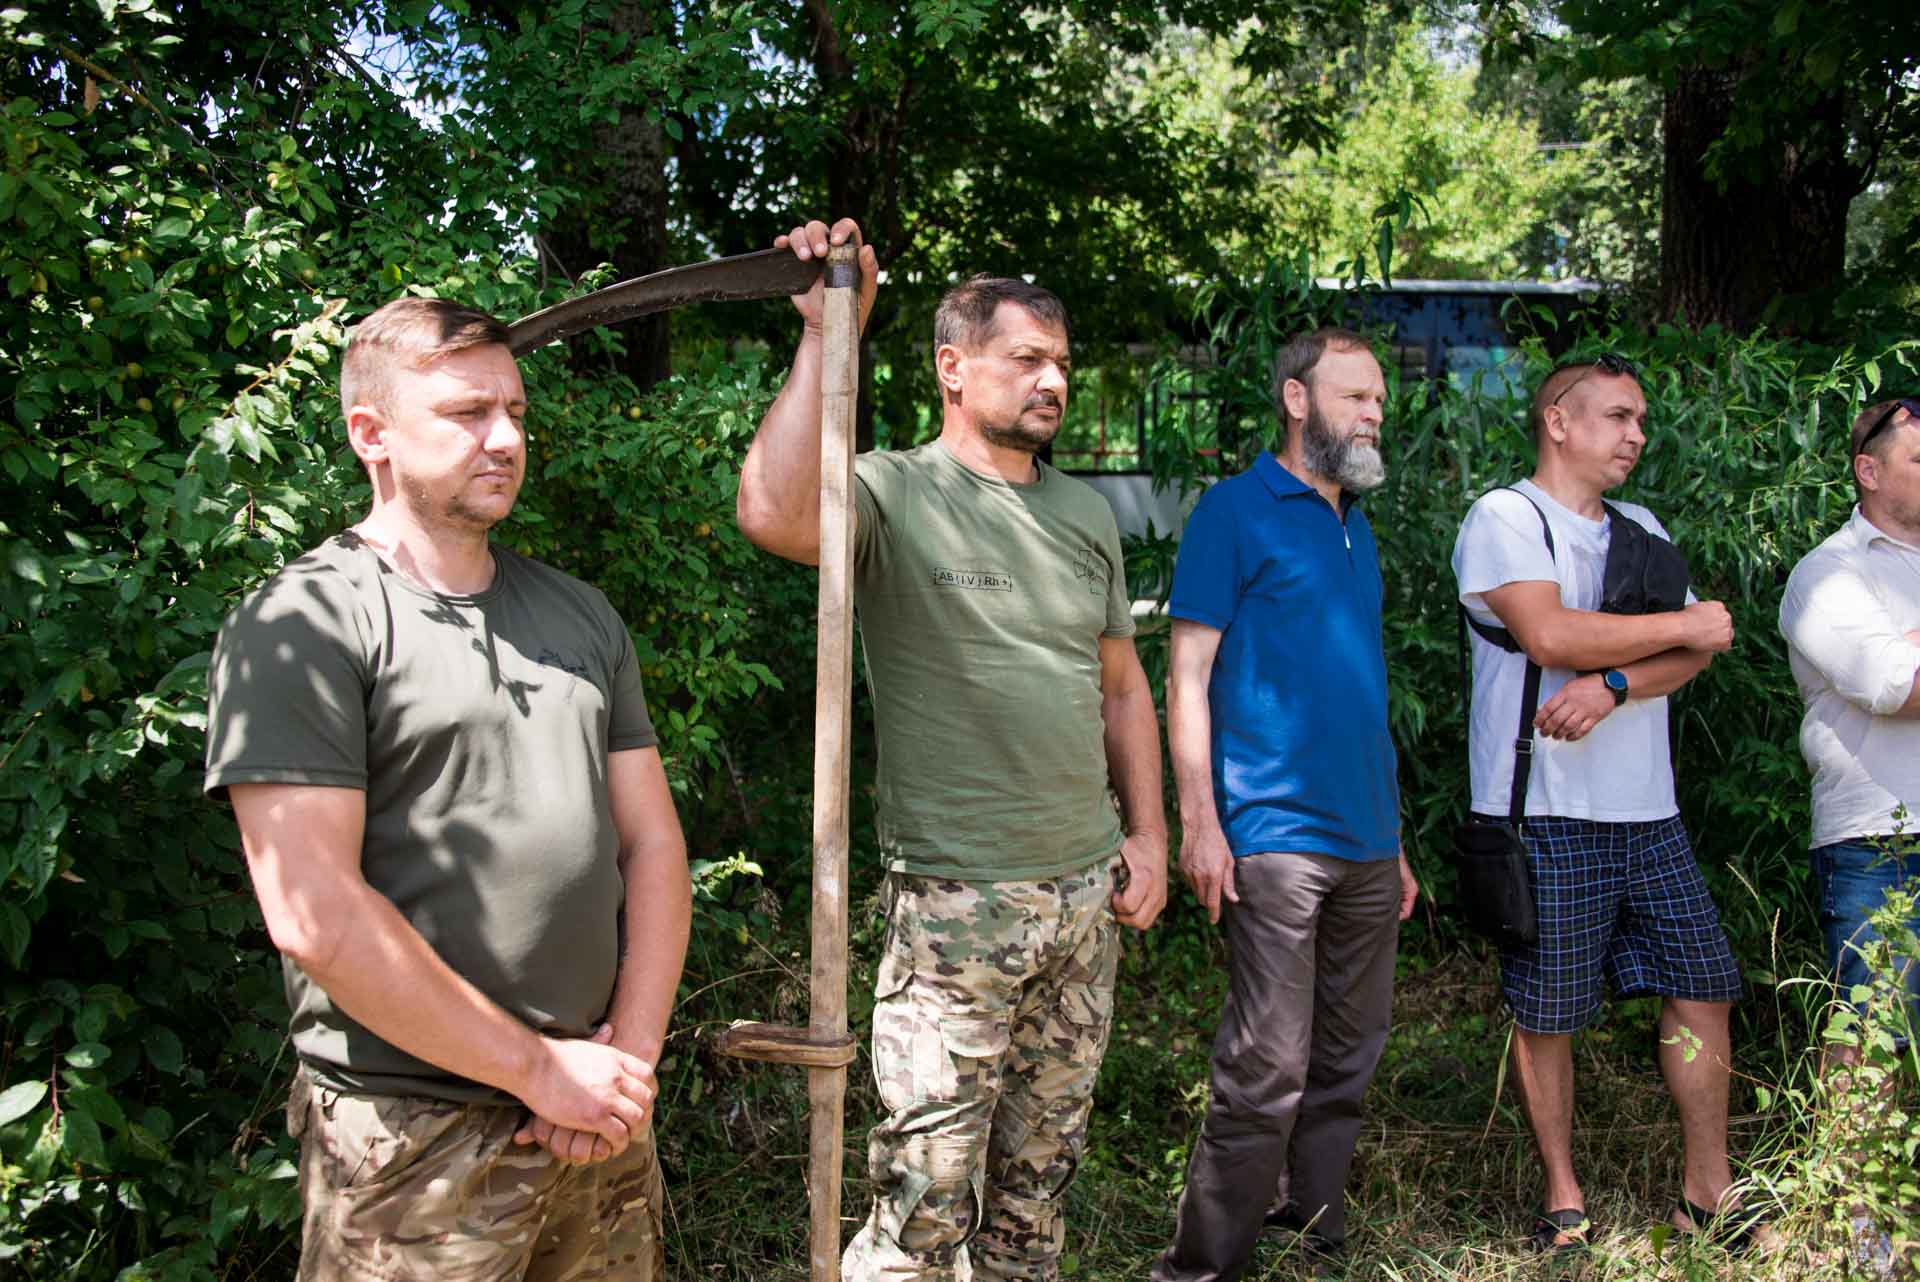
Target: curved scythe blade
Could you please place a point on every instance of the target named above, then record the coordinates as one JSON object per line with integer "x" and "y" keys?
{"x": 767, "y": 273}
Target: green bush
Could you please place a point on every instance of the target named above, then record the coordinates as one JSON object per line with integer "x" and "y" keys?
{"x": 169, "y": 437}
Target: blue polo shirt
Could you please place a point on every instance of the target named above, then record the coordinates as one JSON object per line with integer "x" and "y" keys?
{"x": 1302, "y": 760}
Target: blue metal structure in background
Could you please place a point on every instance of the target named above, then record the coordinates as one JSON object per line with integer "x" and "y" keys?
{"x": 1455, "y": 330}
{"x": 1465, "y": 333}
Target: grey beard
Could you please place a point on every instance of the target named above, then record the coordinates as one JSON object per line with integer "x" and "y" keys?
{"x": 1357, "y": 468}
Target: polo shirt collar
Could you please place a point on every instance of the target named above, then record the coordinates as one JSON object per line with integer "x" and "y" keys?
{"x": 1285, "y": 485}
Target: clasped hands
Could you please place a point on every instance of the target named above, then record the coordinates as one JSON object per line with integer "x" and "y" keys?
{"x": 588, "y": 1098}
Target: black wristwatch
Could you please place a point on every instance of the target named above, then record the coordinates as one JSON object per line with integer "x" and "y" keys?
{"x": 1617, "y": 682}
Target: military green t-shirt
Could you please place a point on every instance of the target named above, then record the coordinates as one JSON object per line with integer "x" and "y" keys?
{"x": 479, "y": 729}
{"x": 981, "y": 608}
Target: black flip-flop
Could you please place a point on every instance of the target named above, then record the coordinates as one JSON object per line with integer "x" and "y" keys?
{"x": 1731, "y": 1230}
{"x": 1548, "y": 1225}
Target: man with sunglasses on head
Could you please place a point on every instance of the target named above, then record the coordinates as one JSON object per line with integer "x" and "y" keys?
{"x": 1851, "y": 617}
{"x": 1618, "y": 894}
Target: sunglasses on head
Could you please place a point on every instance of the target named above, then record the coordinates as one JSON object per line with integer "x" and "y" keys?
{"x": 1908, "y": 403}
{"x": 1606, "y": 363}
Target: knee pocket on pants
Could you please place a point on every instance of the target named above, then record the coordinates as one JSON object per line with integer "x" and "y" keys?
{"x": 937, "y": 1202}
{"x": 1087, "y": 1007}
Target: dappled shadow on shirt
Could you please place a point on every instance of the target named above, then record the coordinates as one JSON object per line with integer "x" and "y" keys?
{"x": 487, "y": 819}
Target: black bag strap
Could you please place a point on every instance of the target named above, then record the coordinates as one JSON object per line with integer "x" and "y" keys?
{"x": 1529, "y": 690}
{"x": 1492, "y": 633}
{"x": 1523, "y": 746}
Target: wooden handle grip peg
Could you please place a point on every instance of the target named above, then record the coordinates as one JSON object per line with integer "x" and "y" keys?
{"x": 784, "y": 1044}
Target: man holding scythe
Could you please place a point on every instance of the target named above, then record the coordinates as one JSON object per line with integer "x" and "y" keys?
{"x": 1007, "y": 699}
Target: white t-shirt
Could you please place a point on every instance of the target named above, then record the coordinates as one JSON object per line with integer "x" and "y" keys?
{"x": 1620, "y": 772}
{"x": 1848, "y": 607}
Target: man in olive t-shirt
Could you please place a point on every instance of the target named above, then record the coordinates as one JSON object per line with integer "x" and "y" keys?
{"x": 461, "y": 837}
{"x": 1007, "y": 699}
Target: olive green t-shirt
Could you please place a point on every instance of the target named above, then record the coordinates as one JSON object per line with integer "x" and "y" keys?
{"x": 981, "y": 608}
{"x": 479, "y": 729}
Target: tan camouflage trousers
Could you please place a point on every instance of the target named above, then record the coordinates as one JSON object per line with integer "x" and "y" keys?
{"x": 990, "y": 1019}
{"x": 408, "y": 1189}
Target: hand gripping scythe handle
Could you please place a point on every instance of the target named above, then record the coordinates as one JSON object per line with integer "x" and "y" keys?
{"x": 825, "y": 1046}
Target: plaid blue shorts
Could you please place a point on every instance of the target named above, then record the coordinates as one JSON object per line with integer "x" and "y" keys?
{"x": 1623, "y": 902}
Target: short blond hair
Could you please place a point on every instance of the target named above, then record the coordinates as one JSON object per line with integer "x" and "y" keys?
{"x": 408, "y": 333}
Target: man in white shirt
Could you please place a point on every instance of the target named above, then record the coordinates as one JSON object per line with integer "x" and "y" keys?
{"x": 1618, "y": 894}
{"x": 1851, "y": 617}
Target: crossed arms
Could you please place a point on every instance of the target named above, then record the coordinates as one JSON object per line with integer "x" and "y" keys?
{"x": 1659, "y": 653}
{"x": 589, "y": 1097}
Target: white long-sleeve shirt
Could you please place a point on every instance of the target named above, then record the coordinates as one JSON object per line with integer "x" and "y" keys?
{"x": 1848, "y": 607}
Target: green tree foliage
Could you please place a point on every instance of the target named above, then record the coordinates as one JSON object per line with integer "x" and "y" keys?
{"x": 1010, "y": 138}
{"x": 1514, "y": 171}
{"x": 1775, "y": 117}
{"x": 1484, "y": 182}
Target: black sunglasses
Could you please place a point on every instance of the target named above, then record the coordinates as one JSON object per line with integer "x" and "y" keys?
{"x": 1606, "y": 363}
{"x": 1908, "y": 403}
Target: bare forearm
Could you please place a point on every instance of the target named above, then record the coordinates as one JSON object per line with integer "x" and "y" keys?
{"x": 303, "y": 854}
{"x": 659, "y": 914}
{"x": 1190, "y": 742}
{"x": 1133, "y": 759}
{"x": 1588, "y": 639}
{"x": 1665, "y": 672}
{"x": 779, "y": 502}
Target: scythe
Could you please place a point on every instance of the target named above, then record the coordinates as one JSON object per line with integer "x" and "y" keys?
{"x": 824, "y": 1047}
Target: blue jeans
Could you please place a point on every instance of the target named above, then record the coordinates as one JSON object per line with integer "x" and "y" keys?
{"x": 1852, "y": 879}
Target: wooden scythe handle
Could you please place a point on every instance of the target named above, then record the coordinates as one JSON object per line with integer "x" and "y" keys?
{"x": 832, "y": 744}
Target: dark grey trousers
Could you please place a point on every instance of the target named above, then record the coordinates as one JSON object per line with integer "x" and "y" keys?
{"x": 1309, "y": 1001}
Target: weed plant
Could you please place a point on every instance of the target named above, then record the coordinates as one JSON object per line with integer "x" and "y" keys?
{"x": 1843, "y": 1172}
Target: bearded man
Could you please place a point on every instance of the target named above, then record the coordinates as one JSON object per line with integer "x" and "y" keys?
{"x": 1277, "y": 719}
{"x": 1007, "y": 703}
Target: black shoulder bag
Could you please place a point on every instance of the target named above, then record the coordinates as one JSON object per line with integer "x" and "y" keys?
{"x": 1644, "y": 573}
{"x": 1495, "y": 884}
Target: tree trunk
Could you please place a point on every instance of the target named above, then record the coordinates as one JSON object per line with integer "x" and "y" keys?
{"x": 629, "y": 229}
{"x": 1770, "y": 229}
{"x": 863, "y": 172}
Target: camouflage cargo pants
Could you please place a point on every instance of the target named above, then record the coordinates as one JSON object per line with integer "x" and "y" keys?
{"x": 408, "y": 1189}
{"x": 991, "y": 1014}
